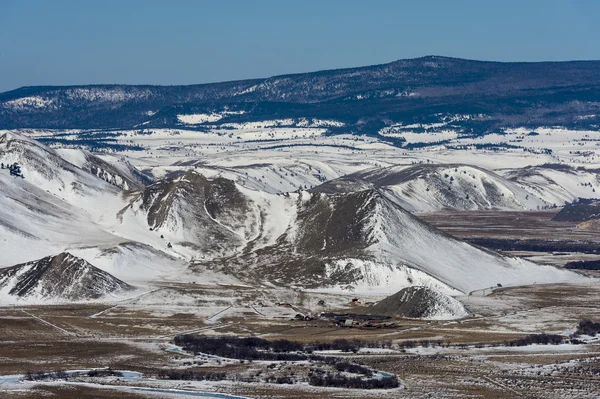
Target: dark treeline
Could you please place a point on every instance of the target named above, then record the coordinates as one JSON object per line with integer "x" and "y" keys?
{"x": 250, "y": 348}
{"x": 192, "y": 375}
{"x": 63, "y": 375}
{"x": 321, "y": 378}
{"x": 543, "y": 339}
{"x": 253, "y": 348}
{"x": 92, "y": 145}
{"x": 341, "y": 146}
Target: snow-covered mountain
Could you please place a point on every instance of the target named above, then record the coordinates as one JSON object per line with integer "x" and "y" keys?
{"x": 58, "y": 278}
{"x": 426, "y": 187}
{"x": 365, "y": 242}
{"x": 38, "y": 217}
{"x": 59, "y": 207}
{"x": 357, "y": 240}
{"x": 200, "y": 216}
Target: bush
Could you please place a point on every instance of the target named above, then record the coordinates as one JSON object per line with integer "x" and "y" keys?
{"x": 353, "y": 368}
{"x": 587, "y": 327}
{"x": 284, "y": 380}
{"x": 104, "y": 373}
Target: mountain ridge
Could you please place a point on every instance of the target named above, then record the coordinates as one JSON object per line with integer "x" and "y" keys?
{"x": 288, "y": 75}
{"x": 365, "y": 99}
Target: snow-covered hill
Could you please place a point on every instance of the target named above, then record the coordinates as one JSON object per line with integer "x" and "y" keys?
{"x": 200, "y": 216}
{"x": 426, "y": 187}
{"x": 119, "y": 172}
{"x": 365, "y": 242}
{"x": 35, "y": 222}
{"x": 557, "y": 184}
{"x": 422, "y": 303}
{"x": 58, "y": 278}
{"x": 59, "y": 207}
{"x": 337, "y": 240}
{"x": 47, "y": 170}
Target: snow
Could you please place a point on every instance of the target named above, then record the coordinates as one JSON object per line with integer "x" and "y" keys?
{"x": 29, "y": 102}
{"x": 110, "y": 94}
{"x": 380, "y": 278}
{"x": 59, "y": 206}
{"x": 426, "y": 188}
{"x": 195, "y": 119}
{"x": 135, "y": 262}
{"x": 455, "y": 263}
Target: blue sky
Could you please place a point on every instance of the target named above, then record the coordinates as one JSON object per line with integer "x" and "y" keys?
{"x": 63, "y": 42}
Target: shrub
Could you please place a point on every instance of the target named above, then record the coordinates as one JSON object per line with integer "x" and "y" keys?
{"x": 353, "y": 368}
{"x": 587, "y": 327}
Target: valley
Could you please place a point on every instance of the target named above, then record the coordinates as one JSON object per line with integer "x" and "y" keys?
{"x": 446, "y": 358}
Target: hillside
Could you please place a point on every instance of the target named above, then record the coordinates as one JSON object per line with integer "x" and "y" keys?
{"x": 62, "y": 277}
{"x": 45, "y": 168}
{"x": 556, "y": 184}
{"x": 58, "y": 207}
{"x": 582, "y": 211}
{"x": 208, "y": 216}
{"x": 118, "y": 172}
{"x": 426, "y": 90}
{"x": 428, "y": 187}
{"x": 366, "y": 243}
